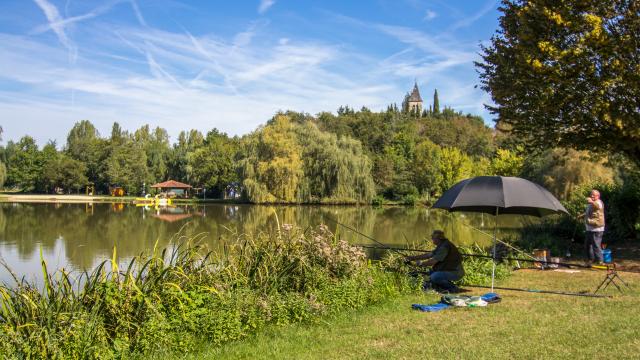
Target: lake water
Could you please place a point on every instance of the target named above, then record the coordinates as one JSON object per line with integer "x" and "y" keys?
{"x": 80, "y": 236}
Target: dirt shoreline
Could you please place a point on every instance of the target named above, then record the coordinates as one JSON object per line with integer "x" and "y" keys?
{"x": 84, "y": 199}
{"x": 51, "y": 198}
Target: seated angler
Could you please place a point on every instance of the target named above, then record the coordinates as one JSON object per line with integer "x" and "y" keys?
{"x": 445, "y": 262}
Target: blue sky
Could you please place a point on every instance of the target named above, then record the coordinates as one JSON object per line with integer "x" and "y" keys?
{"x": 229, "y": 64}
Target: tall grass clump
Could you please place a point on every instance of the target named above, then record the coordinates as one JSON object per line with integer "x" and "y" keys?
{"x": 478, "y": 270}
{"x": 184, "y": 295}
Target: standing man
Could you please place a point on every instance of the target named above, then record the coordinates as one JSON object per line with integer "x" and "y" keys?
{"x": 594, "y": 223}
{"x": 445, "y": 262}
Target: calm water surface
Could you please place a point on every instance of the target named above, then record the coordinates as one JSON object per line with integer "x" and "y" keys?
{"x": 80, "y": 236}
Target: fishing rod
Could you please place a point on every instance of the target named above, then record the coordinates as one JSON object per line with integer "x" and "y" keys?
{"x": 542, "y": 291}
{"x": 399, "y": 251}
{"x": 535, "y": 291}
{"x": 391, "y": 247}
{"x": 491, "y": 236}
{"x": 477, "y": 286}
{"x": 593, "y": 267}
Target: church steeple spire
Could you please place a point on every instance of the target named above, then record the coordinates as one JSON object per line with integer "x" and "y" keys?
{"x": 415, "y": 94}
{"x": 413, "y": 102}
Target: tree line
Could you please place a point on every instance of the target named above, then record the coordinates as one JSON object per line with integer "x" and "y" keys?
{"x": 347, "y": 157}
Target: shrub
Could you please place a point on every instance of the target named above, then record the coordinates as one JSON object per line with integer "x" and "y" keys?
{"x": 410, "y": 200}
{"x": 478, "y": 270}
{"x": 377, "y": 201}
{"x": 184, "y": 295}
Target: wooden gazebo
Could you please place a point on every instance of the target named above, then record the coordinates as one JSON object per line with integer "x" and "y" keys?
{"x": 172, "y": 186}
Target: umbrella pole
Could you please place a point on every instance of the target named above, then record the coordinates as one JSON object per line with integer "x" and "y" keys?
{"x": 493, "y": 269}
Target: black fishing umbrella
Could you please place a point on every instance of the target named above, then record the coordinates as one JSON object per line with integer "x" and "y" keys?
{"x": 499, "y": 195}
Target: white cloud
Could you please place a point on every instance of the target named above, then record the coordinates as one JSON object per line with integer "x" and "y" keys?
{"x": 58, "y": 21}
{"x": 57, "y": 24}
{"x": 465, "y": 22}
{"x": 427, "y": 43}
{"x": 179, "y": 80}
{"x": 430, "y": 15}
{"x": 265, "y": 5}
{"x": 138, "y": 13}
{"x": 183, "y": 87}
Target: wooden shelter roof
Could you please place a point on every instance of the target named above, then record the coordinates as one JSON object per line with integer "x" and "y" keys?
{"x": 171, "y": 184}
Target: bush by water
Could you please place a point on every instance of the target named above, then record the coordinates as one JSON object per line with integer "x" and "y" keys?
{"x": 178, "y": 297}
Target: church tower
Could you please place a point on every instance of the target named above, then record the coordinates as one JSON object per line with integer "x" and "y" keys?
{"x": 413, "y": 102}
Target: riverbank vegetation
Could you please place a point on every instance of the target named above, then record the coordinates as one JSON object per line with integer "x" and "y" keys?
{"x": 176, "y": 297}
{"x": 183, "y": 295}
{"x": 349, "y": 157}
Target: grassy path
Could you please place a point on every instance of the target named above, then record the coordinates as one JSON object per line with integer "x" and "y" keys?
{"x": 523, "y": 325}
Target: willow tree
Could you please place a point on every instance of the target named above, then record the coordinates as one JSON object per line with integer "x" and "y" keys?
{"x": 272, "y": 167}
{"x": 567, "y": 73}
{"x": 335, "y": 168}
{"x": 292, "y": 162}
{"x": 563, "y": 170}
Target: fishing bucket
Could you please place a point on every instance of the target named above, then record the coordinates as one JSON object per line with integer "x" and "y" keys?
{"x": 607, "y": 257}
{"x": 542, "y": 255}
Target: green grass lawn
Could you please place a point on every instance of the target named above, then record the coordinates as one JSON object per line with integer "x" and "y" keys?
{"x": 523, "y": 325}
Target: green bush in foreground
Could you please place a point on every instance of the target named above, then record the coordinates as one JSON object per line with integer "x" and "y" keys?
{"x": 181, "y": 296}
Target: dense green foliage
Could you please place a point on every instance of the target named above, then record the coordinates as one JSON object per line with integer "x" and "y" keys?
{"x": 176, "y": 298}
{"x": 622, "y": 215}
{"x": 561, "y": 171}
{"x": 348, "y": 157}
{"x": 292, "y": 162}
{"x": 60, "y": 171}
{"x": 3, "y": 168}
{"x": 417, "y": 155}
{"x": 567, "y": 73}
{"x": 3, "y": 173}
{"x": 211, "y": 165}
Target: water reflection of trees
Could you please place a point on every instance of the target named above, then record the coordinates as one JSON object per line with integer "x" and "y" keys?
{"x": 89, "y": 232}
